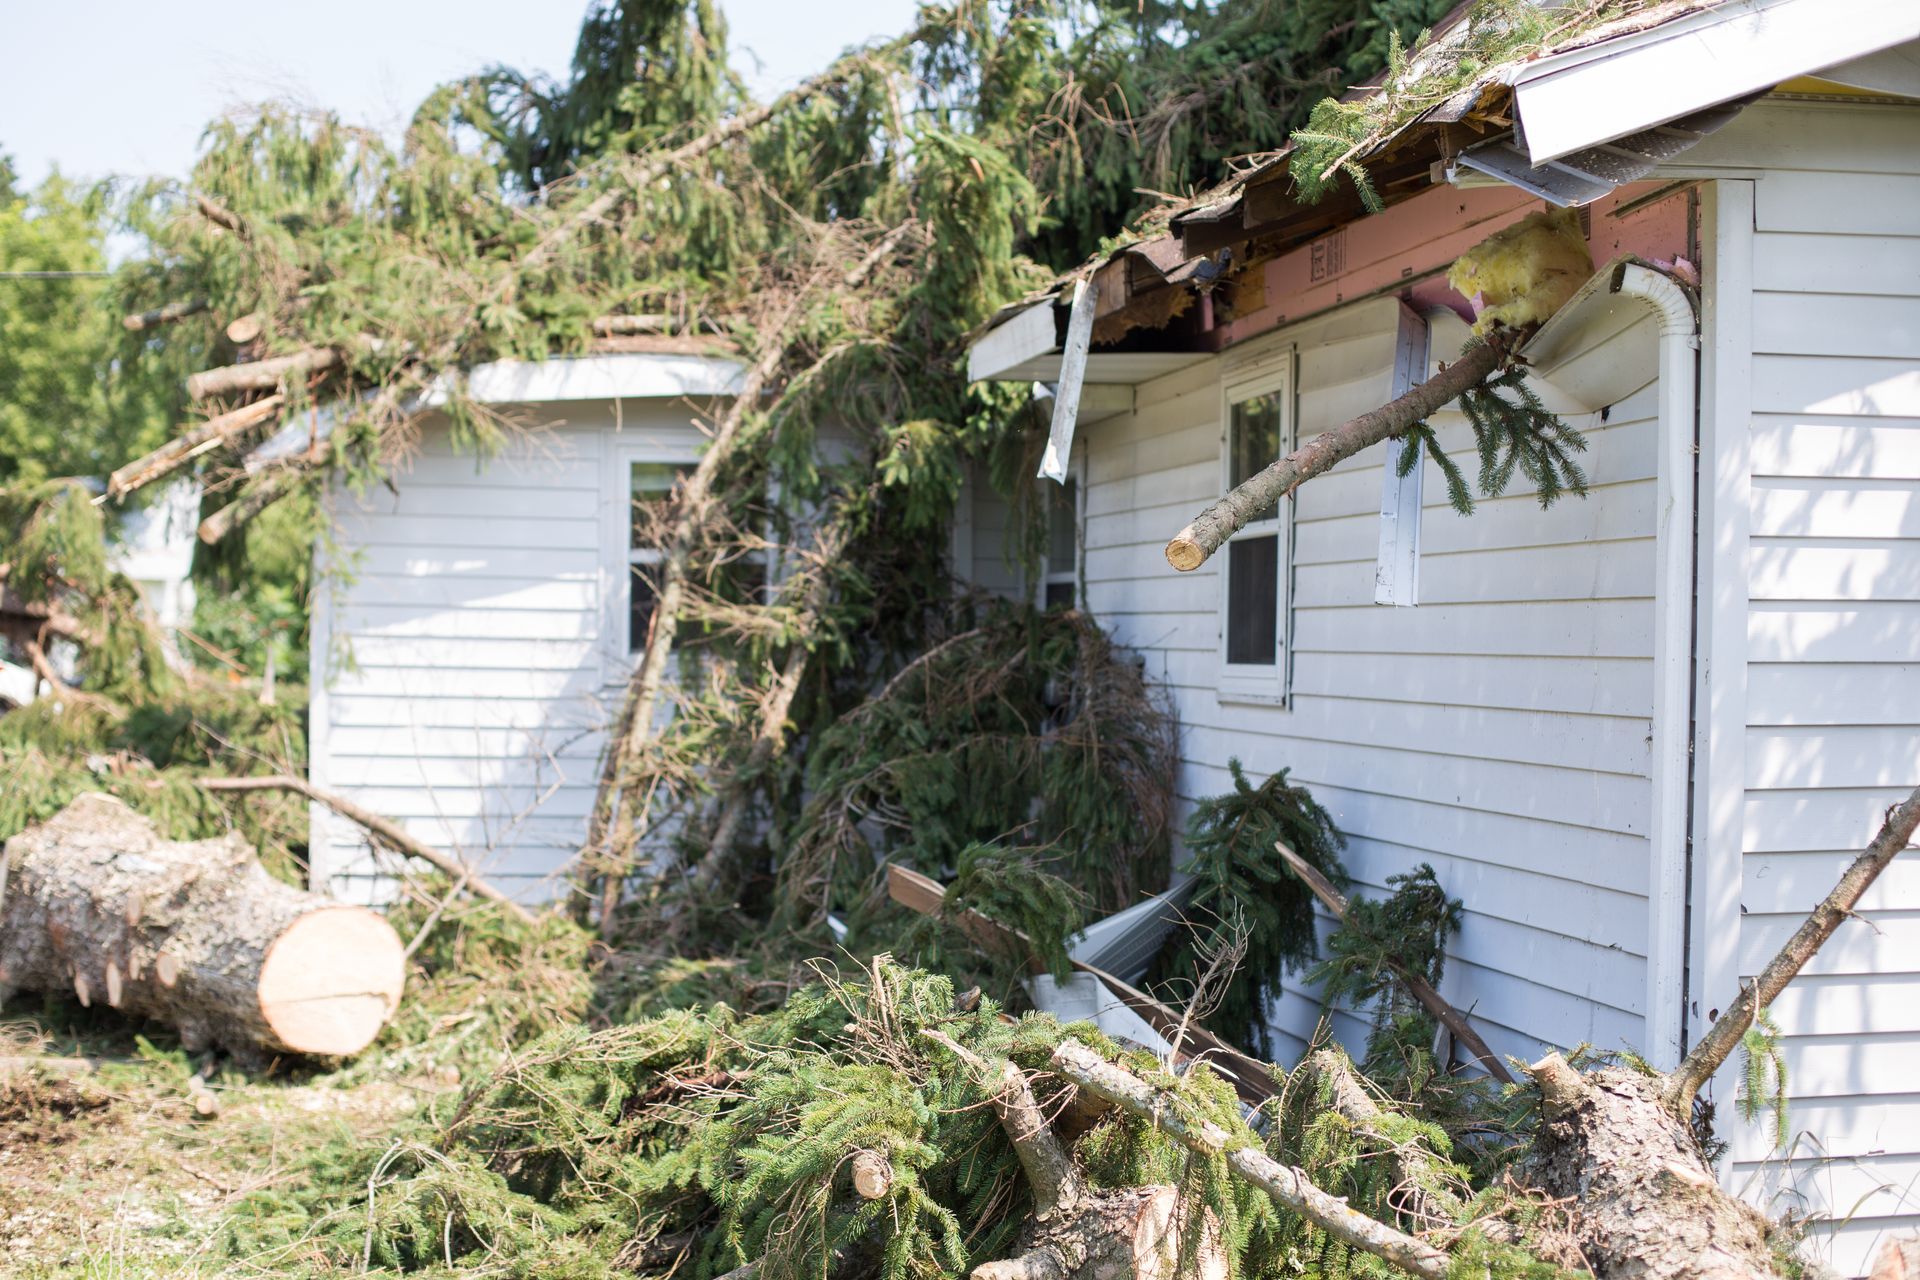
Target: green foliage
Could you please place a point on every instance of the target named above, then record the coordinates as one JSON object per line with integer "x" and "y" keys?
{"x": 72, "y": 405}
{"x": 1248, "y": 898}
{"x": 1511, "y": 432}
{"x": 1029, "y": 732}
{"x": 1763, "y": 1078}
{"x": 1493, "y": 33}
{"x": 1406, "y": 932}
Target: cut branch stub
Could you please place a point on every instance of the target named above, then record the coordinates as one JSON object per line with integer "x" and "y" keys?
{"x": 176, "y": 453}
{"x": 1210, "y": 529}
{"x": 261, "y": 375}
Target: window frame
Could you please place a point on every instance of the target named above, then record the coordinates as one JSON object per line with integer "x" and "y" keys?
{"x": 618, "y": 555}
{"x": 1074, "y": 575}
{"x": 1266, "y": 683}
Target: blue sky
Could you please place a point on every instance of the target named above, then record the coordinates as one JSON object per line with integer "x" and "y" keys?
{"x": 103, "y": 87}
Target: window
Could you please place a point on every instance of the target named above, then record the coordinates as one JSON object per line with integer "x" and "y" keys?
{"x": 1060, "y": 584}
{"x": 649, "y": 485}
{"x": 1255, "y": 574}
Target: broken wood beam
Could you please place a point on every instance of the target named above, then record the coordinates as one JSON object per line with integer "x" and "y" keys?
{"x": 385, "y": 830}
{"x": 1289, "y": 1187}
{"x": 1417, "y": 985}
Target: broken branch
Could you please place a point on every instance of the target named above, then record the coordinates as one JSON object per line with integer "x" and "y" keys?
{"x": 1417, "y": 985}
{"x": 167, "y": 314}
{"x": 176, "y": 453}
{"x": 1289, "y": 1187}
{"x": 1212, "y": 527}
{"x": 261, "y": 375}
{"x": 385, "y": 830}
{"x": 1705, "y": 1059}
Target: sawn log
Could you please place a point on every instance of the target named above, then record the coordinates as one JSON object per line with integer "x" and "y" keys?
{"x": 195, "y": 934}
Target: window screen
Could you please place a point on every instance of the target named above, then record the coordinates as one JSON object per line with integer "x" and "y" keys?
{"x": 650, "y": 485}
{"x": 1063, "y": 543}
{"x": 1253, "y": 600}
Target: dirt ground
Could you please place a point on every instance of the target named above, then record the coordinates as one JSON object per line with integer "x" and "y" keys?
{"x": 108, "y": 1171}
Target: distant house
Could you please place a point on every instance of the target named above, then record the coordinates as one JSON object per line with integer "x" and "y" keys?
{"x": 1637, "y": 734}
{"x": 481, "y": 615}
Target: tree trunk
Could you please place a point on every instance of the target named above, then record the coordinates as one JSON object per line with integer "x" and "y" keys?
{"x": 1212, "y": 527}
{"x": 195, "y": 934}
{"x": 1645, "y": 1204}
{"x": 693, "y": 514}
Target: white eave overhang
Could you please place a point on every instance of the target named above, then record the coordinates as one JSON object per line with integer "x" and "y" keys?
{"x": 1570, "y": 101}
{"x": 625, "y": 375}
{"x": 1026, "y": 347}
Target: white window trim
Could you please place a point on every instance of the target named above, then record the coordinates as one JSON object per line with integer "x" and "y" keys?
{"x": 1243, "y": 682}
{"x": 1075, "y": 573}
{"x": 616, "y": 553}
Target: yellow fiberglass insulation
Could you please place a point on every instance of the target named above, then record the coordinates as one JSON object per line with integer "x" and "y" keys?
{"x": 1524, "y": 274}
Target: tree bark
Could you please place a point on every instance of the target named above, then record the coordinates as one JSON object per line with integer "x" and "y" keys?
{"x": 1416, "y": 984}
{"x": 1289, "y": 1187}
{"x": 166, "y": 314}
{"x": 1645, "y": 1203}
{"x": 261, "y": 375}
{"x": 182, "y": 449}
{"x": 692, "y": 516}
{"x": 193, "y": 934}
{"x": 771, "y": 732}
{"x": 387, "y": 831}
{"x": 1077, "y": 1232}
{"x": 1212, "y": 527}
{"x": 1712, "y": 1050}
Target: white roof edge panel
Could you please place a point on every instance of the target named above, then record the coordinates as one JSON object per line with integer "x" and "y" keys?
{"x": 1588, "y": 96}
{"x": 1025, "y": 336}
{"x": 630, "y": 375}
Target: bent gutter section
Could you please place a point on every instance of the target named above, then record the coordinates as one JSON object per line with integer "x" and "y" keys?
{"x": 1674, "y": 551}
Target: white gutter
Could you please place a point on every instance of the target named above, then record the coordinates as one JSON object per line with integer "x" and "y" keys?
{"x": 1672, "y": 657}
{"x": 1592, "y": 354}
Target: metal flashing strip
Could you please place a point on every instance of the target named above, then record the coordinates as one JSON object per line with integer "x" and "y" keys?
{"x": 1584, "y": 176}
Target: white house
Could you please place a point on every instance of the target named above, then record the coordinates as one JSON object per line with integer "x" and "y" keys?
{"x": 1639, "y": 734}
{"x": 474, "y": 638}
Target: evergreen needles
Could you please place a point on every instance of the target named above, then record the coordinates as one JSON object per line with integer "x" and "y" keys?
{"x": 1511, "y": 433}
{"x": 1246, "y": 890}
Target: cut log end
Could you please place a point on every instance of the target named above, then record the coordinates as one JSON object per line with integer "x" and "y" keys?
{"x": 331, "y": 981}
{"x": 1184, "y": 554}
{"x": 872, "y": 1175}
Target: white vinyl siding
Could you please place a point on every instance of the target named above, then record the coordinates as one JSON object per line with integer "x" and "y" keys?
{"x": 1833, "y": 650}
{"x": 1499, "y": 731}
{"x": 472, "y": 649}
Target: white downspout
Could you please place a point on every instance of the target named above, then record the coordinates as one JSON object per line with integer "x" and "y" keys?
{"x": 1672, "y": 658}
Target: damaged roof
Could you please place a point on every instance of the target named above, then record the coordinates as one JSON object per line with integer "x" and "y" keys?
{"x": 1568, "y": 122}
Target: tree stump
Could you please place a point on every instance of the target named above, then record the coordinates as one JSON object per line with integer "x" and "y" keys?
{"x": 196, "y": 935}
{"x": 1645, "y": 1204}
